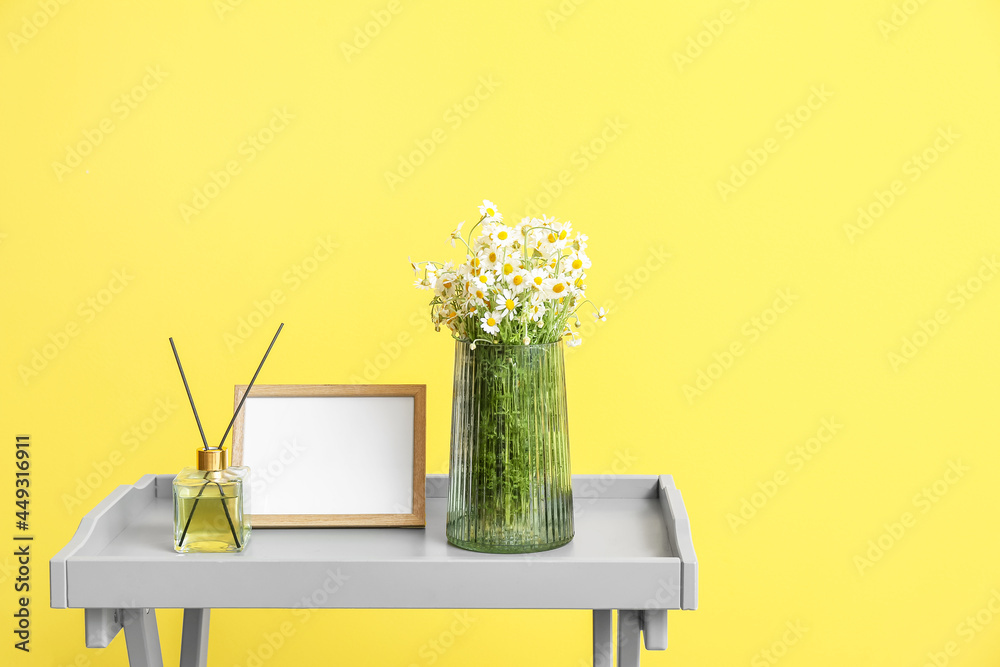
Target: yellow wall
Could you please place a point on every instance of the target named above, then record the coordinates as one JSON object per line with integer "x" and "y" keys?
{"x": 609, "y": 114}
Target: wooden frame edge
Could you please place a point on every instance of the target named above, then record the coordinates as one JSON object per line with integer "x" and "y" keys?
{"x": 418, "y": 515}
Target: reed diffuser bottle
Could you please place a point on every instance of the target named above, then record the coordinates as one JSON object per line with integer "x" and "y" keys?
{"x": 210, "y": 505}
{"x": 211, "y": 502}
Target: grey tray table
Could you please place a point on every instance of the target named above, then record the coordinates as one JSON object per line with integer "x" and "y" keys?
{"x": 632, "y": 553}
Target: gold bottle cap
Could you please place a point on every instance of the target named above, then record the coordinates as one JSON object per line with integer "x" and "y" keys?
{"x": 213, "y": 459}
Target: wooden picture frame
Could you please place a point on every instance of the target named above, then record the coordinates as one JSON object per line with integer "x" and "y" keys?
{"x": 320, "y": 449}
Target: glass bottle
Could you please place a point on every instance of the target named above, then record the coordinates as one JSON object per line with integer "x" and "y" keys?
{"x": 210, "y": 505}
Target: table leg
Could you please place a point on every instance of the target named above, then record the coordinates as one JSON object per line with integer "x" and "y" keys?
{"x": 102, "y": 625}
{"x": 628, "y": 638}
{"x": 602, "y": 638}
{"x": 654, "y": 629}
{"x": 142, "y": 639}
{"x": 194, "y": 638}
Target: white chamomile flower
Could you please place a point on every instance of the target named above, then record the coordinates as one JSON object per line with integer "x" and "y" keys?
{"x": 489, "y": 209}
{"x": 510, "y": 264}
{"x": 491, "y": 323}
{"x": 601, "y": 314}
{"x": 574, "y": 339}
{"x": 536, "y": 311}
{"x": 576, "y": 261}
{"x": 489, "y": 258}
{"x": 556, "y": 288}
{"x": 508, "y": 303}
{"x": 520, "y": 227}
{"x": 414, "y": 266}
{"x": 540, "y": 241}
{"x": 517, "y": 279}
{"x": 485, "y": 279}
{"x": 445, "y": 285}
{"x": 557, "y": 235}
{"x": 536, "y": 279}
{"x": 457, "y": 234}
{"x": 478, "y": 294}
{"x": 564, "y": 230}
{"x": 502, "y": 236}
{"x": 579, "y": 242}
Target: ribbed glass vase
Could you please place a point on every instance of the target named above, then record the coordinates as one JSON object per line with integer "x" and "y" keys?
{"x": 510, "y": 486}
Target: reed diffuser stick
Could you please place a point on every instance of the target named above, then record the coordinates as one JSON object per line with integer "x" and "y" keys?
{"x": 188, "y": 390}
{"x": 250, "y": 386}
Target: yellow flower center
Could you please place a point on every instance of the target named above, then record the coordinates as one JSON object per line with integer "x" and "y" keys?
{"x": 579, "y": 282}
{"x": 552, "y": 238}
{"x": 502, "y": 235}
{"x": 558, "y": 287}
{"x": 562, "y": 235}
{"x": 508, "y": 269}
{"x": 510, "y": 304}
{"x": 518, "y": 280}
{"x": 538, "y": 280}
{"x": 577, "y": 264}
{"x": 447, "y": 284}
{"x": 490, "y": 322}
{"x": 475, "y": 261}
{"x": 483, "y": 279}
{"x": 493, "y": 257}
{"x": 479, "y": 293}
{"x": 490, "y": 212}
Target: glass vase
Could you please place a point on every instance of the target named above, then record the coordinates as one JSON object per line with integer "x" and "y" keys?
{"x": 509, "y": 483}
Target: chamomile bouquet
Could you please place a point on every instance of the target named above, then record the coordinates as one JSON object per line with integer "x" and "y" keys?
{"x": 519, "y": 285}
